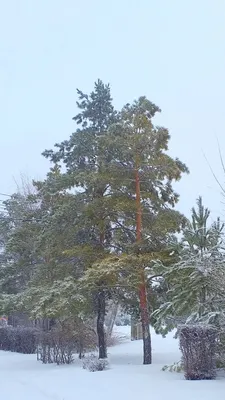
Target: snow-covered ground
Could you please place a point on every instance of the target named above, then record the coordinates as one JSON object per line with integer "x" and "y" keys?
{"x": 23, "y": 378}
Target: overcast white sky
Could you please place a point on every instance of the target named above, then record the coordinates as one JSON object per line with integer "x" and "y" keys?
{"x": 172, "y": 51}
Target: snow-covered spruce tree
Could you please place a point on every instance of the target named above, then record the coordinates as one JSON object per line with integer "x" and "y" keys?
{"x": 86, "y": 171}
{"x": 196, "y": 282}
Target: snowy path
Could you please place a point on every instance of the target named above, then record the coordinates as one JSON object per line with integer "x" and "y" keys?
{"x": 23, "y": 378}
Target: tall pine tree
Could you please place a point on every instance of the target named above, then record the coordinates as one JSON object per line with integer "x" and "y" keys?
{"x": 85, "y": 170}
{"x": 141, "y": 173}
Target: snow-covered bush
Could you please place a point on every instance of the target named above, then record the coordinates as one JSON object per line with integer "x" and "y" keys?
{"x": 92, "y": 363}
{"x": 85, "y": 337}
{"x": 198, "y": 347}
{"x": 115, "y": 339}
{"x": 65, "y": 339}
{"x": 19, "y": 339}
{"x": 216, "y": 319}
{"x": 56, "y": 346}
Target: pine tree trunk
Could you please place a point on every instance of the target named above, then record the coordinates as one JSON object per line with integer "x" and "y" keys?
{"x": 101, "y": 309}
{"x": 147, "y": 346}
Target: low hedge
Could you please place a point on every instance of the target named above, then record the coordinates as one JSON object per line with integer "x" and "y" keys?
{"x": 19, "y": 339}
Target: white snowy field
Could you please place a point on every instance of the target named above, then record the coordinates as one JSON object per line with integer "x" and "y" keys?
{"x": 23, "y": 378}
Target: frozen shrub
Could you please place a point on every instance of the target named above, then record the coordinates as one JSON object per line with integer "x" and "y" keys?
{"x": 220, "y": 349}
{"x": 19, "y": 339}
{"x": 115, "y": 339}
{"x": 45, "y": 348}
{"x": 198, "y": 347}
{"x": 56, "y": 346}
{"x": 92, "y": 363}
{"x": 25, "y": 340}
{"x": 85, "y": 338}
{"x": 5, "y": 340}
{"x": 65, "y": 339}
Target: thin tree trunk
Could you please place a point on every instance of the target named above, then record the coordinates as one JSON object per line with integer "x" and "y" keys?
{"x": 101, "y": 308}
{"x": 101, "y": 311}
{"x": 202, "y": 300}
{"x": 147, "y": 348}
{"x": 112, "y": 319}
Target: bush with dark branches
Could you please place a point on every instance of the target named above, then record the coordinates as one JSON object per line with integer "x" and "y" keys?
{"x": 66, "y": 338}
{"x": 198, "y": 347}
